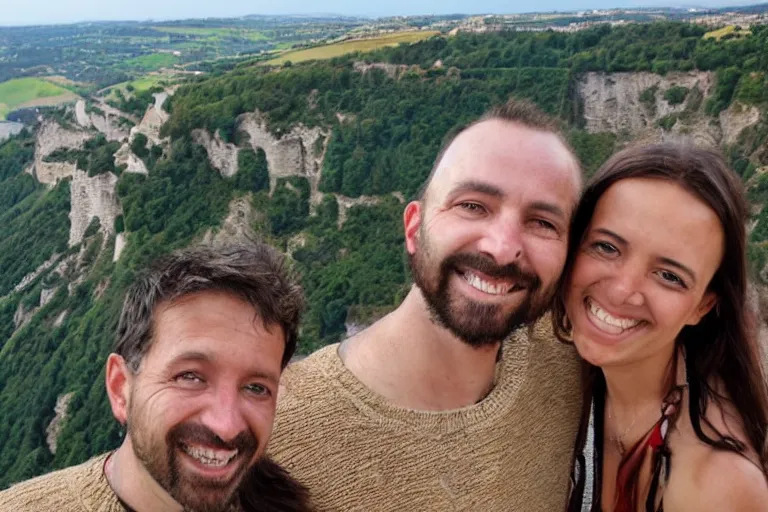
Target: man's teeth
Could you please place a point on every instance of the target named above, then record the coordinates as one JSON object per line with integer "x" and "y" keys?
{"x": 619, "y": 324}
{"x": 210, "y": 457}
{"x": 485, "y": 286}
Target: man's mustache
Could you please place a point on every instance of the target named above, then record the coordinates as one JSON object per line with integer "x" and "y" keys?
{"x": 194, "y": 433}
{"x": 487, "y": 266}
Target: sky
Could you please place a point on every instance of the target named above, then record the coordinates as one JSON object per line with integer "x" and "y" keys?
{"x": 33, "y": 12}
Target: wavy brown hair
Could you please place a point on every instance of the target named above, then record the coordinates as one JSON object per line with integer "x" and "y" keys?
{"x": 722, "y": 349}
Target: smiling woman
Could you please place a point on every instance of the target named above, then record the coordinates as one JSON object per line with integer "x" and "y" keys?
{"x": 654, "y": 298}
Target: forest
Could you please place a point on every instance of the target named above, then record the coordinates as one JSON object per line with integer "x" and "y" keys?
{"x": 352, "y": 272}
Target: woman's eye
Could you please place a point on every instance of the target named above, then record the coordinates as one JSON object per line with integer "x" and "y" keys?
{"x": 604, "y": 248}
{"x": 671, "y": 278}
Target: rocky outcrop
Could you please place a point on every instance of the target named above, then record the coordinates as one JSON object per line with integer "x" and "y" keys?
{"x": 345, "y": 203}
{"x": 611, "y": 102}
{"x": 391, "y": 70}
{"x": 124, "y": 157}
{"x": 221, "y": 155}
{"x": 237, "y": 224}
{"x": 120, "y": 243}
{"x": 8, "y": 128}
{"x": 51, "y": 137}
{"x": 54, "y": 427}
{"x": 92, "y": 197}
{"x": 60, "y": 319}
{"x": 153, "y": 119}
{"x": 27, "y": 280}
{"x": 46, "y": 294}
{"x": 293, "y": 154}
{"x": 736, "y": 118}
{"x": 22, "y": 316}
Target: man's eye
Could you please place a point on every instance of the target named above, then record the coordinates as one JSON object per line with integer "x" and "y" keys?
{"x": 257, "y": 389}
{"x": 189, "y": 377}
{"x": 472, "y": 207}
{"x": 545, "y": 224}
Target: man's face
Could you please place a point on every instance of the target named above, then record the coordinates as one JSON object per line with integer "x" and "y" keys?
{"x": 489, "y": 240}
{"x": 202, "y": 405}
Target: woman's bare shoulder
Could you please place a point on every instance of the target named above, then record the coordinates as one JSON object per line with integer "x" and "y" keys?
{"x": 716, "y": 480}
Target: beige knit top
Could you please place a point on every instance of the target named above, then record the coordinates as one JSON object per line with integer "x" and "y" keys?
{"x": 510, "y": 452}
{"x": 82, "y": 488}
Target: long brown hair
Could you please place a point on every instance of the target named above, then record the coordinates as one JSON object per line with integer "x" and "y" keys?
{"x": 722, "y": 347}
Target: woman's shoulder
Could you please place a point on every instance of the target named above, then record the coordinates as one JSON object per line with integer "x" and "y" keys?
{"x": 705, "y": 478}
{"x": 715, "y": 480}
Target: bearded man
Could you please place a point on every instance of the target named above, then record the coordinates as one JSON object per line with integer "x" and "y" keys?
{"x": 201, "y": 343}
{"x": 447, "y": 403}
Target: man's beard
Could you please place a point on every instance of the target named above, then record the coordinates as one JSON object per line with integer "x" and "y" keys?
{"x": 476, "y": 323}
{"x": 193, "y": 492}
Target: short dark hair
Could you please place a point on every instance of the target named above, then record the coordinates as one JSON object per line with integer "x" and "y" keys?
{"x": 518, "y": 111}
{"x": 253, "y": 271}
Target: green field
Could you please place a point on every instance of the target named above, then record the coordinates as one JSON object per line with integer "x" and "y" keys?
{"x": 151, "y": 62}
{"x": 730, "y": 29}
{"x": 356, "y": 45}
{"x": 37, "y": 92}
{"x": 214, "y": 33}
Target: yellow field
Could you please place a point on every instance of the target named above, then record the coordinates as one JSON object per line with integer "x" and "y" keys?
{"x": 355, "y": 45}
{"x": 730, "y": 29}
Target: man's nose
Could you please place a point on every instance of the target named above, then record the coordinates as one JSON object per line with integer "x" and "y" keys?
{"x": 223, "y": 415}
{"x": 503, "y": 241}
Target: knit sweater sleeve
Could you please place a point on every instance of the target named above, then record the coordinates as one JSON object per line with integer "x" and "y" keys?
{"x": 81, "y": 488}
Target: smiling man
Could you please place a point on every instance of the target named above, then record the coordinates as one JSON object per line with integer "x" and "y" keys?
{"x": 201, "y": 343}
{"x": 446, "y": 403}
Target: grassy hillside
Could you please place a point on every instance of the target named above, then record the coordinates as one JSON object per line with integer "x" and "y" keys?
{"x": 28, "y": 92}
{"x": 356, "y": 45}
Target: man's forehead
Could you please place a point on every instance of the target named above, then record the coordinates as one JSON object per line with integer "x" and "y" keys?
{"x": 510, "y": 146}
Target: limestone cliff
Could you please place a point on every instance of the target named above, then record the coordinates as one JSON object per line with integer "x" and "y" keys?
{"x": 108, "y": 123}
{"x": 54, "y": 427}
{"x": 124, "y": 157}
{"x": 53, "y": 136}
{"x": 292, "y": 154}
{"x": 612, "y": 101}
{"x": 221, "y": 155}
{"x": 153, "y": 119}
{"x": 736, "y": 118}
{"x": 92, "y": 197}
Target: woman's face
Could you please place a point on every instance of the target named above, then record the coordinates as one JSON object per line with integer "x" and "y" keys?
{"x": 642, "y": 271}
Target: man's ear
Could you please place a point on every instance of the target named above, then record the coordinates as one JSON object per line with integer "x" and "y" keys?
{"x": 412, "y": 223}
{"x": 708, "y": 301}
{"x": 118, "y": 381}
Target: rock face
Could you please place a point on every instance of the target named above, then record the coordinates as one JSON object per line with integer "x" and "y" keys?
{"x": 51, "y": 137}
{"x": 345, "y": 203}
{"x": 392, "y": 70}
{"x": 736, "y": 118}
{"x": 293, "y": 154}
{"x": 92, "y": 197}
{"x": 39, "y": 270}
{"x": 52, "y": 432}
{"x": 222, "y": 155}
{"x": 237, "y": 224}
{"x": 8, "y": 128}
{"x": 125, "y": 157}
{"x": 22, "y": 316}
{"x": 119, "y": 246}
{"x": 612, "y": 101}
{"x": 153, "y": 119}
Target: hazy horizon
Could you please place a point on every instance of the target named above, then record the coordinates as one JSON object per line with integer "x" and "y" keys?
{"x": 51, "y": 12}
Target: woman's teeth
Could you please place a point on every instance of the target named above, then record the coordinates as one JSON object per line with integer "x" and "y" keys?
{"x": 608, "y": 322}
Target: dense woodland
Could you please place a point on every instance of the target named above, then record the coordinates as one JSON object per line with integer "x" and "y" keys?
{"x": 393, "y": 129}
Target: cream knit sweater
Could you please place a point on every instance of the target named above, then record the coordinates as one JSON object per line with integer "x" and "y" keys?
{"x": 510, "y": 452}
{"x": 82, "y": 488}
